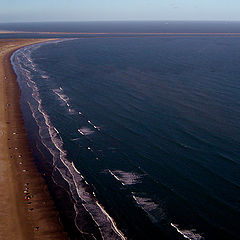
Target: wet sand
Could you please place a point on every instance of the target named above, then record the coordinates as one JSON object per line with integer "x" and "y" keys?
{"x": 26, "y": 208}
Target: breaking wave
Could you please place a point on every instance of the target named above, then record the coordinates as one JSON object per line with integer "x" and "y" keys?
{"x": 51, "y": 139}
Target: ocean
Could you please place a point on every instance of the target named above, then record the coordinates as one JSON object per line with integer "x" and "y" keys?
{"x": 137, "y": 137}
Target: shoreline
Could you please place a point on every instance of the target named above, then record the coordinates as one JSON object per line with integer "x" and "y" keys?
{"x": 27, "y": 209}
{"x": 120, "y": 33}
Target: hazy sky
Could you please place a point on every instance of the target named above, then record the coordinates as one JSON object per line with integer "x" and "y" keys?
{"x": 85, "y": 10}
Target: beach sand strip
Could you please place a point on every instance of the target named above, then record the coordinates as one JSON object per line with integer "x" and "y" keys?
{"x": 27, "y": 210}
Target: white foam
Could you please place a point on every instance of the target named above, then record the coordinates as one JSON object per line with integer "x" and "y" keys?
{"x": 112, "y": 222}
{"x": 126, "y": 178}
{"x": 73, "y": 165}
{"x": 96, "y": 127}
{"x": 44, "y": 76}
{"x": 64, "y": 98}
{"x": 188, "y": 234}
{"x": 146, "y": 203}
{"x": 52, "y": 140}
{"x": 75, "y": 139}
{"x": 117, "y": 178}
{"x": 71, "y": 111}
{"x": 85, "y": 131}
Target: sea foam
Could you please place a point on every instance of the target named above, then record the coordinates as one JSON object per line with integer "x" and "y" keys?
{"x": 51, "y": 139}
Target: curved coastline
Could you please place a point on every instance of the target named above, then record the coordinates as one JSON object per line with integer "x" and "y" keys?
{"x": 26, "y": 207}
{"x": 78, "y": 207}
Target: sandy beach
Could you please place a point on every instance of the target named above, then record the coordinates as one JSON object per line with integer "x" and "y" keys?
{"x": 4, "y": 31}
{"x": 26, "y": 208}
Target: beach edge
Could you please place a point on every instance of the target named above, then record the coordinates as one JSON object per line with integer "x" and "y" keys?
{"x": 28, "y": 209}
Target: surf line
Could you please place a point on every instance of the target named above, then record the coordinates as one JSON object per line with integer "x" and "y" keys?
{"x": 194, "y": 236}
{"x": 116, "y": 230}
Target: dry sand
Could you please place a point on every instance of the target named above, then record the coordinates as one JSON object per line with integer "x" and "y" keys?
{"x": 30, "y": 214}
{"x": 4, "y": 31}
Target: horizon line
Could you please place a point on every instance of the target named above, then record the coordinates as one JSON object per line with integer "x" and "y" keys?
{"x": 85, "y": 21}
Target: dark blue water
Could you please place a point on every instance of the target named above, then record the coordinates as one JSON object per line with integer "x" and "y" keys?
{"x": 119, "y": 28}
{"x": 142, "y": 133}
{"x": 126, "y": 26}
